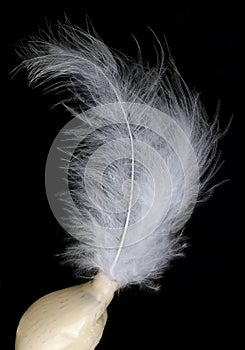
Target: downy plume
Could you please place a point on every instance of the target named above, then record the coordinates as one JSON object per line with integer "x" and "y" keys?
{"x": 142, "y": 153}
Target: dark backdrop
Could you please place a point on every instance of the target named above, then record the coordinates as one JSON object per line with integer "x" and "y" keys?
{"x": 198, "y": 303}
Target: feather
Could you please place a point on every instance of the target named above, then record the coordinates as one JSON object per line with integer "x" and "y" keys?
{"x": 145, "y": 153}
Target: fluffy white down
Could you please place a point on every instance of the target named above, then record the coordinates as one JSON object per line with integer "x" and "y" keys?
{"x": 95, "y": 75}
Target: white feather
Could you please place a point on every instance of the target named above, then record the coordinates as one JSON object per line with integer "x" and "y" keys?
{"x": 96, "y": 76}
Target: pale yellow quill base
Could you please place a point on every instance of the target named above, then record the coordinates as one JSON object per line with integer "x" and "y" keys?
{"x": 69, "y": 319}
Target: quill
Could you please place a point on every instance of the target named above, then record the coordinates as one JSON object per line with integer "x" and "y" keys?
{"x": 138, "y": 155}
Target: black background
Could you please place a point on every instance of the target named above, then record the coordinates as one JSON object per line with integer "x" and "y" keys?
{"x": 198, "y": 303}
